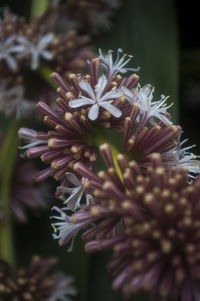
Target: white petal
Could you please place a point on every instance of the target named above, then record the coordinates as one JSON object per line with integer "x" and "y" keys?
{"x": 111, "y": 95}
{"x": 93, "y": 112}
{"x": 102, "y": 81}
{"x": 35, "y": 61}
{"x": 79, "y": 102}
{"x": 47, "y": 55}
{"x": 11, "y": 62}
{"x": 84, "y": 85}
{"x": 10, "y": 40}
{"x": 45, "y": 40}
{"x": 129, "y": 95}
{"x": 72, "y": 178}
{"x": 17, "y": 49}
{"x": 111, "y": 109}
{"x": 23, "y": 40}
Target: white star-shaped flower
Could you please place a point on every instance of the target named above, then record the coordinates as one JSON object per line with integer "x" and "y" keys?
{"x": 7, "y": 50}
{"x": 76, "y": 193}
{"x": 152, "y": 109}
{"x": 63, "y": 290}
{"x": 180, "y": 157}
{"x": 97, "y": 99}
{"x": 117, "y": 66}
{"x": 64, "y": 230}
{"x": 38, "y": 50}
{"x": 13, "y": 102}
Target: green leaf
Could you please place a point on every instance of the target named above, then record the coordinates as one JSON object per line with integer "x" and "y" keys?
{"x": 7, "y": 160}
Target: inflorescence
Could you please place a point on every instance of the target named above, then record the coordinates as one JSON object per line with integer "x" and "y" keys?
{"x": 145, "y": 205}
{"x": 35, "y": 282}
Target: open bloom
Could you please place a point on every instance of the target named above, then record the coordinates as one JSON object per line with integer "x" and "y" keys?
{"x": 75, "y": 194}
{"x": 13, "y": 101}
{"x": 37, "y": 50}
{"x": 118, "y": 66}
{"x": 8, "y": 49}
{"x": 151, "y": 109}
{"x": 64, "y": 229}
{"x": 96, "y": 99}
{"x": 181, "y": 157}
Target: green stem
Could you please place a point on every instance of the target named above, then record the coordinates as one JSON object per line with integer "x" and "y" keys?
{"x": 44, "y": 73}
{"x": 38, "y": 8}
{"x": 7, "y": 160}
{"x": 100, "y": 138}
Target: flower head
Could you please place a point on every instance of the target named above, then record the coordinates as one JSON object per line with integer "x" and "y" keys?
{"x": 75, "y": 129}
{"x": 181, "y": 157}
{"x": 97, "y": 99}
{"x": 37, "y": 50}
{"x": 119, "y": 65}
{"x": 87, "y": 15}
{"x": 156, "y": 247}
{"x": 76, "y": 193}
{"x": 151, "y": 110}
{"x": 8, "y": 50}
{"x": 35, "y": 282}
{"x": 27, "y": 47}
{"x": 10, "y": 27}
{"x": 13, "y": 101}
{"x": 160, "y": 252}
{"x": 64, "y": 229}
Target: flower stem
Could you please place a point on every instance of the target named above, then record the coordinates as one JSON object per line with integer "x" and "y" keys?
{"x": 38, "y": 8}
{"x": 44, "y": 73}
{"x": 7, "y": 160}
{"x": 100, "y": 138}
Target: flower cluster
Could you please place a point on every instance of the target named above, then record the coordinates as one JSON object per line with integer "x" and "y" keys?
{"x": 142, "y": 206}
{"x": 87, "y": 15}
{"x": 35, "y": 282}
{"x": 92, "y": 102}
{"x": 150, "y": 219}
{"x": 25, "y": 48}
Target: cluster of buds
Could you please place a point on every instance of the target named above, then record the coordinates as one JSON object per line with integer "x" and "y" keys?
{"x": 35, "y": 282}
{"x": 150, "y": 219}
{"x": 142, "y": 206}
{"x": 88, "y": 15}
{"x": 25, "y": 48}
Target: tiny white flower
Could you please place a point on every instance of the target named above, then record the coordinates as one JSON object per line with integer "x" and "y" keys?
{"x": 64, "y": 230}
{"x": 31, "y": 137}
{"x": 76, "y": 193}
{"x": 38, "y": 50}
{"x": 7, "y": 50}
{"x": 180, "y": 157}
{"x": 13, "y": 102}
{"x": 63, "y": 290}
{"x": 97, "y": 99}
{"x": 117, "y": 66}
{"x": 152, "y": 109}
